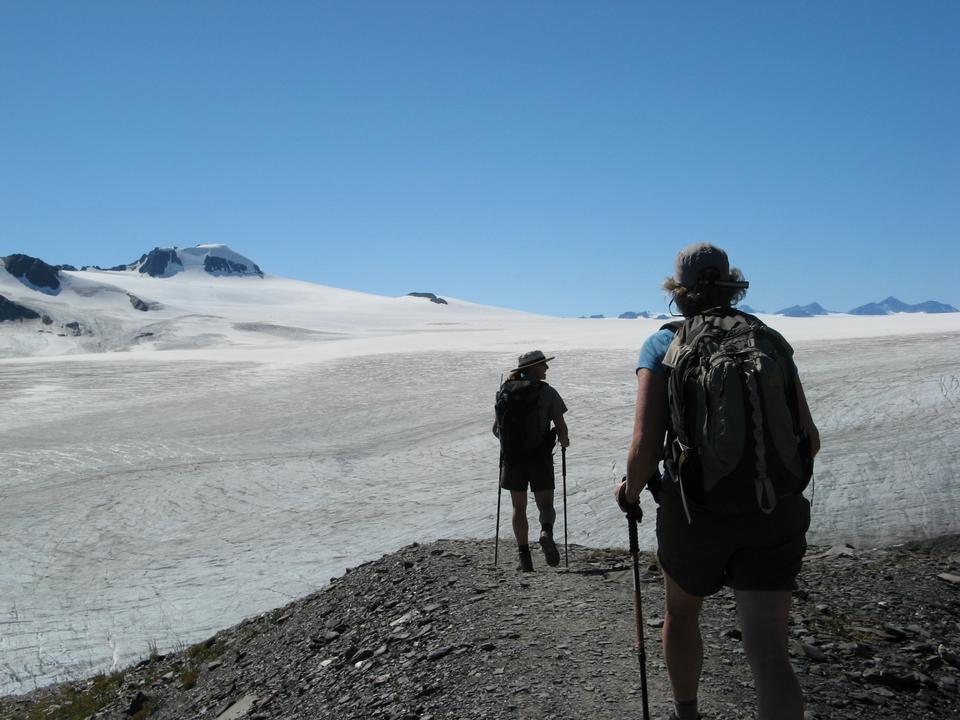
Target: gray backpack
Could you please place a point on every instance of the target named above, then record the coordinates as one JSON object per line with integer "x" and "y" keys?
{"x": 735, "y": 440}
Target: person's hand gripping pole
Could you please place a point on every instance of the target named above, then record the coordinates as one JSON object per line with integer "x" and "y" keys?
{"x": 634, "y": 515}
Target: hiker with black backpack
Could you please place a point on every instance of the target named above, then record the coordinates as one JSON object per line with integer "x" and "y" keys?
{"x": 720, "y": 402}
{"x": 526, "y": 406}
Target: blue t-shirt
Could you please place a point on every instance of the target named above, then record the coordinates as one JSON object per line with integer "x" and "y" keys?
{"x": 653, "y": 351}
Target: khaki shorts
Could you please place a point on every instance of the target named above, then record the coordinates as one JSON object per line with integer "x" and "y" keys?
{"x": 536, "y": 474}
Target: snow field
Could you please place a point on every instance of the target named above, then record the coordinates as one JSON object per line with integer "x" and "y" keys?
{"x": 149, "y": 499}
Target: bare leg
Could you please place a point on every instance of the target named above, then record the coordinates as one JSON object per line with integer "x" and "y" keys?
{"x": 763, "y": 620}
{"x": 682, "y": 643}
{"x": 519, "y": 500}
{"x": 544, "y": 500}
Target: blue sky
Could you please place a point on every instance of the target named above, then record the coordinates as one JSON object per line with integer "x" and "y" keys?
{"x": 546, "y": 156}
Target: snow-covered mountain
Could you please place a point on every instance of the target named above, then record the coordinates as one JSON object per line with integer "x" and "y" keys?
{"x": 205, "y": 296}
{"x": 215, "y": 259}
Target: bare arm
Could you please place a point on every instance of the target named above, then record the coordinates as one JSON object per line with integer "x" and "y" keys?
{"x": 649, "y": 427}
{"x": 562, "y": 431}
{"x": 806, "y": 419}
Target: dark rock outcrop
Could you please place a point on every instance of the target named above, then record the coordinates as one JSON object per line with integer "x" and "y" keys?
{"x": 71, "y": 268}
{"x": 137, "y": 303}
{"x": 115, "y": 268}
{"x": 630, "y": 315}
{"x": 221, "y": 266}
{"x": 430, "y": 296}
{"x": 33, "y": 272}
{"x": 10, "y": 310}
{"x": 157, "y": 262}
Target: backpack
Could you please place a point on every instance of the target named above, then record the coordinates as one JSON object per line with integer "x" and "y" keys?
{"x": 735, "y": 439}
{"x": 522, "y": 434}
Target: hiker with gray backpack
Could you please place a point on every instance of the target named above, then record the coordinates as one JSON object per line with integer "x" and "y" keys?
{"x": 719, "y": 400}
{"x": 526, "y": 406}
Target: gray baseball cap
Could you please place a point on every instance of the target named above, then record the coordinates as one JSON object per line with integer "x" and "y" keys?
{"x": 695, "y": 259}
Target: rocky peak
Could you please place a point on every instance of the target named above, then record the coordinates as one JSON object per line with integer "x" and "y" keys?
{"x": 213, "y": 259}
{"x": 160, "y": 262}
{"x": 33, "y": 273}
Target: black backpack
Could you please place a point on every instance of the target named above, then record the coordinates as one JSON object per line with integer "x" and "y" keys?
{"x": 522, "y": 434}
{"x": 735, "y": 440}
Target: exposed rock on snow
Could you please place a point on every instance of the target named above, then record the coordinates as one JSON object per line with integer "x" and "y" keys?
{"x": 430, "y": 296}
{"x": 137, "y": 303}
{"x": 159, "y": 263}
{"x": 10, "y": 310}
{"x": 213, "y": 259}
{"x": 33, "y": 273}
{"x": 221, "y": 266}
{"x": 631, "y": 315}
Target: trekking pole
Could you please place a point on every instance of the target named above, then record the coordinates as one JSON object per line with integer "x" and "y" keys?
{"x": 563, "y": 458}
{"x": 496, "y": 542}
{"x": 638, "y": 611}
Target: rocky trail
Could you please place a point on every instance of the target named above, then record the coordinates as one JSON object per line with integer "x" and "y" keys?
{"x": 437, "y": 631}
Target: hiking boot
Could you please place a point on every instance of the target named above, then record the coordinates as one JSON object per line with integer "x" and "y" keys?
{"x": 549, "y": 547}
{"x": 526, "y": 562}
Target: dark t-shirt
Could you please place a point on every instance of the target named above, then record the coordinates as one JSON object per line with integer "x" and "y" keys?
{"x": 550, "y": 406}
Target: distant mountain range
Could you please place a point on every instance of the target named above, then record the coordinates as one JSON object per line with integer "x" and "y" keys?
{"x": 890, "y": 306}
{"x": 64, "y": 317}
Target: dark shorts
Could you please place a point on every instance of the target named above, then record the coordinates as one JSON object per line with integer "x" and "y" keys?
{"x": 537, "y": 474}
{"x": 748, "y": 551}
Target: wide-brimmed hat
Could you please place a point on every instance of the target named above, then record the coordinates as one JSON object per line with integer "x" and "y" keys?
{"x": 696, "y": 262}
{"x": 529, "y": 359}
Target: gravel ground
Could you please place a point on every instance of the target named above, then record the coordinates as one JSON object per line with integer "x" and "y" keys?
{"x": 437, "y": 631}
